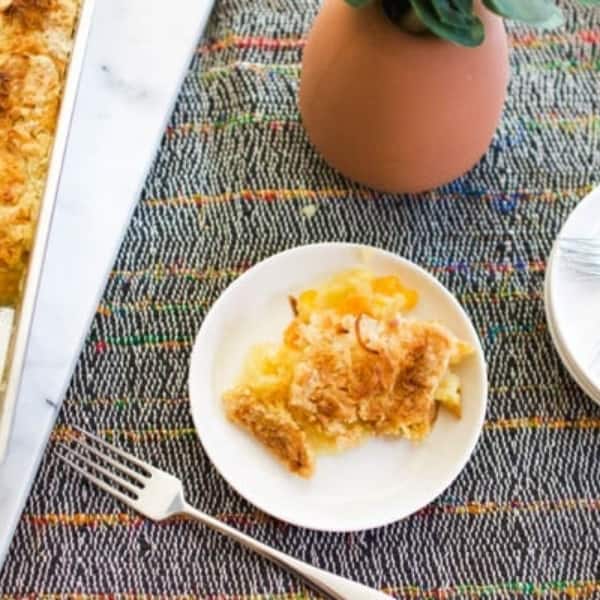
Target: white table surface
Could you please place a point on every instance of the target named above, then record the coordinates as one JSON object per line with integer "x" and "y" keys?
{"x": 138, "y": 54}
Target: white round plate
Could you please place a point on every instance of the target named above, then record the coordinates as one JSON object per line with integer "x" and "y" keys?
{"x": 372, "y": 485}
{"x": 572, "y": 302}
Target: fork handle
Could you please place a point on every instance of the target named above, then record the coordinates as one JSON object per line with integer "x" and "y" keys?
{"x": 333, "y": 587}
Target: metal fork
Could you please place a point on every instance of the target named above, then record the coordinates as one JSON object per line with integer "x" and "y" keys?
{"x": 159, "y": 495}
{"x": 583, "y": 254}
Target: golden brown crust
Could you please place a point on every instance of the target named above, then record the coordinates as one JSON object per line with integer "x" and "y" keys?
{"x": 273, "y": 427}
{"x": 28, "y": 14}
{"x": 384, "y": 378}
{"x": 35, "y": 42}
{"x": 351, "y": 365}
{"x": 347, "y": 381}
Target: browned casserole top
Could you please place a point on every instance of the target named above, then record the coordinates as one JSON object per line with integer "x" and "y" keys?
{"x": 35, "y": 43}
{"x": 351, "y": 365}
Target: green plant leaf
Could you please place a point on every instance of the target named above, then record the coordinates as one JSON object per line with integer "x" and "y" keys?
{"x": 454, "y": 16}
{"x": 455, "y": 27}
{"x": 401, "y": 13}
{"x": 357, "y": 3}
{"x": 464, "y": 5}
{"x": 541, "y": 13}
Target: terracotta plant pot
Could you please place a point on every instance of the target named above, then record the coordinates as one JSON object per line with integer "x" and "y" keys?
{"x": 396, "y": 111}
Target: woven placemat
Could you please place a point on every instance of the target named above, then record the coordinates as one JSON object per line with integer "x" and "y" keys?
{"x": 235, "y": 180}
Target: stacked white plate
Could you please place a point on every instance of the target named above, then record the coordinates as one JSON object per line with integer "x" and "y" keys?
{"x": 573, "y": 300}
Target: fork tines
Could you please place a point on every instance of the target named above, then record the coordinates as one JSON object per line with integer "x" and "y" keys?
{"x": 105, "y": 465}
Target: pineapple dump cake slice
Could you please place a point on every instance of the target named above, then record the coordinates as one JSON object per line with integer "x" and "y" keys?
{"x": 351, "y": 365}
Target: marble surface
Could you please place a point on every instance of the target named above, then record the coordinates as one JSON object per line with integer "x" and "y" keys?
{"x": 138, "y": 53}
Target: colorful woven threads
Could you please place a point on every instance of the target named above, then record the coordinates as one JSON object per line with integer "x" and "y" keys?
{"x": 542, "y": 423}
{"x": 122, "y": 402}
{"x": 512, "y": 589}
{"x": 517, "y": 40}
{"x": 261, "y": 69}
{"x": 243, "y": 519}
{"x": 65, "y": 433}
{"x": 240, "y": 42}
{"x": 570, "y": 589}
{"x": 457, "y": 192}
{"x": 161, "y": 271}
{"x": 112, "y": 308}
{"x": 277, "y": 122}
{"x": 274, "y": 122}
{"x": 109, "y": 308}
{"x": 552, "y": 40}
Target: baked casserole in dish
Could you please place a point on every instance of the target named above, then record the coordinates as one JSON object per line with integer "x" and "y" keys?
{"x": 36, "y": 38}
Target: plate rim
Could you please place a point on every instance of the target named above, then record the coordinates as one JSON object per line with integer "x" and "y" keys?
{"x": 365, "y": 523}
{"x": 579, "y": 376}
